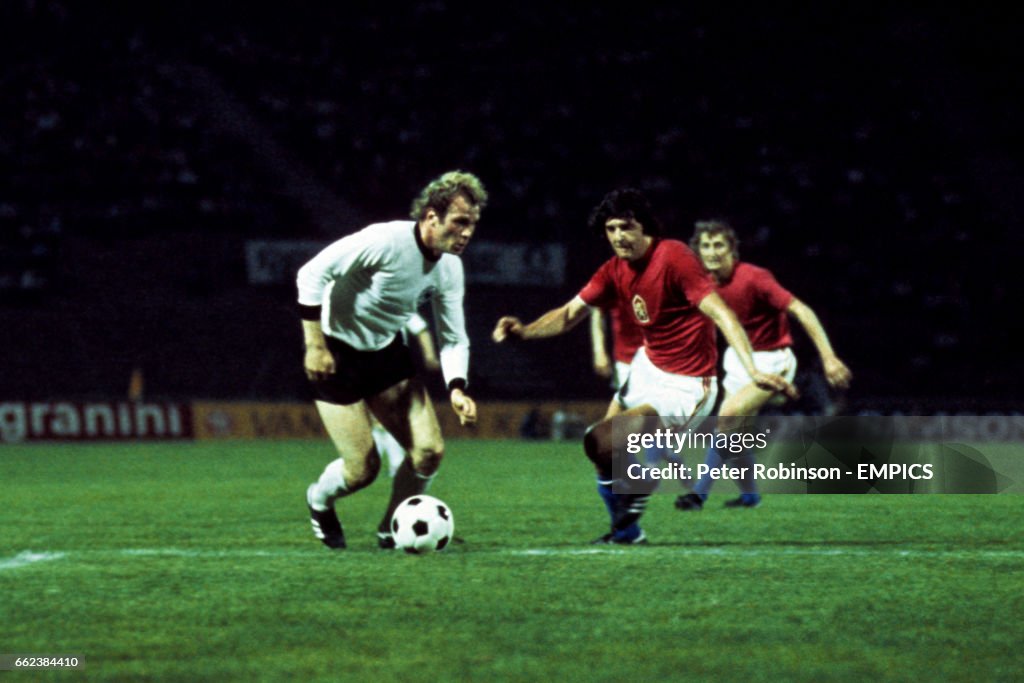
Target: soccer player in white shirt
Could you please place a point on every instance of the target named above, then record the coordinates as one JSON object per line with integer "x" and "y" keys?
{"x": 355, "y": 297}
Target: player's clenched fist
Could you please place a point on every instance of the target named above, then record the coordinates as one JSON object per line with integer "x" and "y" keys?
{"x": 506, "y": 327}
{"x": 319, "y": 363}
{"x": 837, "y": 374}
{"x": 464, "y": 407}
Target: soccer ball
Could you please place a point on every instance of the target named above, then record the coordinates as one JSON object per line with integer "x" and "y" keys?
{"x": 422, "y": 524}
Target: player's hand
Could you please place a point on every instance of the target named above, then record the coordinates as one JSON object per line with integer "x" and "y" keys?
{"x": 836, "y": 372}
{"x": 319, "y": 363}
{"x": 508, "y": 326}
{"x": 775, "y": 383}
{"x": 603, "y": 369}
{"x": 464, "y": 407}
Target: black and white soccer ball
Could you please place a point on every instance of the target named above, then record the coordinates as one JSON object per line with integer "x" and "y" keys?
{"x": 422, "y": 524}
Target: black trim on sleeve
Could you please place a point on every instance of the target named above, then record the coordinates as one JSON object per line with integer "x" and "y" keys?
{"x": 309, "y": 312}
{"x": 457, "y": 383}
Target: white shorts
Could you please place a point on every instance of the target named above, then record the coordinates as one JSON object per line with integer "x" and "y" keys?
{"x": 778, "y": 362}
{"x": 679, "y": 399}
{"x": 621, "y": 375}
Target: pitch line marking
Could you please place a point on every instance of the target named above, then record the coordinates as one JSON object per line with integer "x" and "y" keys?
{"x": 27, "y": 557}
{"x": 964, "y": 554}
{"x": 201, "y": 554}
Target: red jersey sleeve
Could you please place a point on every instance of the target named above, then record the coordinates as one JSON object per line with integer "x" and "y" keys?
{"x": 770, "y": 291}
{"x": 600, "y": 291}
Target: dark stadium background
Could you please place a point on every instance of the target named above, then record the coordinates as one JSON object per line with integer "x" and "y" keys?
{"x": 870, "y": 157}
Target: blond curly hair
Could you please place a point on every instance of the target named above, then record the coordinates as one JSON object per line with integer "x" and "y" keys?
{"x": 440, "y": 192}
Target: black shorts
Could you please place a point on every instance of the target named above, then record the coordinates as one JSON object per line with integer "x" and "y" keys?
{"x": 361, "y": 374}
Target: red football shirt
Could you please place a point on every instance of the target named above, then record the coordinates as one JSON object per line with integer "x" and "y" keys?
{"x": 662, "y": 291}
{"x": 760, "y": 303}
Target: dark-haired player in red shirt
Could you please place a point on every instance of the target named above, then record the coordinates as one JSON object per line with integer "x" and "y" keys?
{"x": 763, "y": 307}
{"x": 663, "y": 285}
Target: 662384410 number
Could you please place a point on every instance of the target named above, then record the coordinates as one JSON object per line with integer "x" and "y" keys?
{"x": 15, "y": 662}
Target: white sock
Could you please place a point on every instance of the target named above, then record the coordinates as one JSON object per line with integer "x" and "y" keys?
{"x": 388, "y": 448}
{"x": 329, "y": 487}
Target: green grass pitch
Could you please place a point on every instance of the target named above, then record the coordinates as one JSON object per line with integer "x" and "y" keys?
{"x": 194, "y": 561}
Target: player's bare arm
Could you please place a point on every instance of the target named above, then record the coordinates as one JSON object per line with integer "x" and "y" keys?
{"x": 598, "y": 345}
{"x": 836, "y": 372}
{"x": 555, "y": 322}
{"x": 725, "y": 319}
{"x": 319, "y": 363}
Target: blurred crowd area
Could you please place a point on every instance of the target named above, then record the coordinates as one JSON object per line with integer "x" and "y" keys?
{"x": 868, "y": 160}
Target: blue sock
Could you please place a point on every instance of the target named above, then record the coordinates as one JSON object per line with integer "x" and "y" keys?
{"x": 612, "y": 502}
{"x": 747, "y": 483}
{"x": 604, "y": 489}
{"x": 703, "y": 485}
{"x": 630, "y": 533}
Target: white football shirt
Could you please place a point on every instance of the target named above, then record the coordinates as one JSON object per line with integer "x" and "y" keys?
{"x": 370, "y": 283}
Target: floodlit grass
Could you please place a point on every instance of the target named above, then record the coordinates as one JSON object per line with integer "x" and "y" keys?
{"x": 196, "y": 562}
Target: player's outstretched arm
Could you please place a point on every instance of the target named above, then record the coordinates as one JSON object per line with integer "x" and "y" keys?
{"x": 556, "y": 321}
{"x": 836, "y": 372}
{"x": 714, "y": 307}
{"x": 599, "y": 346}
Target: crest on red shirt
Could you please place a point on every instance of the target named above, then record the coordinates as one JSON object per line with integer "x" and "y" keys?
{"x": 640, "y": 309}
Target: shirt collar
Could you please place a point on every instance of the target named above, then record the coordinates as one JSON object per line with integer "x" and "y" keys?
{"x": 642, "y": 262}
{"x": 427, "y": 252}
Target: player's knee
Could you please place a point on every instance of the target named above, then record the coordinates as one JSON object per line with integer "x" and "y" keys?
{"x": 593, "y": 442}
{"x": 361, "y": 473}
{"x": 427, "y": 459}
